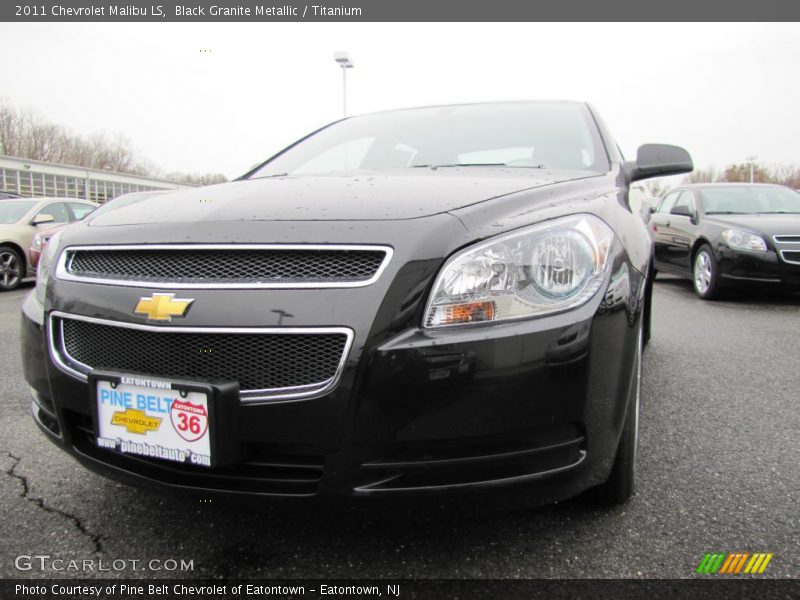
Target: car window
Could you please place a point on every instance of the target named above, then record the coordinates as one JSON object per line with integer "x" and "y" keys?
{"x": 686, "y": 199}
{"x": 57, "y": 210}
{"x": 668, "y": 202}
{"x": 80, "y": 210}
{"x": 747, "y": 199}
{"x": 12, "y": 211}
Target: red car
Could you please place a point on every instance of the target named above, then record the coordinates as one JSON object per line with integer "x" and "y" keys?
{"x": 40, "y": 239}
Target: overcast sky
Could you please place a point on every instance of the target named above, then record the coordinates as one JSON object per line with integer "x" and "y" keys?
{"x": 724, "y": 91}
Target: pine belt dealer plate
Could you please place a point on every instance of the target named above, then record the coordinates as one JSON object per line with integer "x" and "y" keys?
{"x": 154, "y": 418}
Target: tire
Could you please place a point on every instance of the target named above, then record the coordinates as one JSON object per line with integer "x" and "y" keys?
{"x": 12, "y": 268}
{"x": 705, "y": 273}
{"x": 621, "y": 482}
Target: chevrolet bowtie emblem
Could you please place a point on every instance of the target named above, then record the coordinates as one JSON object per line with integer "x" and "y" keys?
{"x": 162, "y": 307}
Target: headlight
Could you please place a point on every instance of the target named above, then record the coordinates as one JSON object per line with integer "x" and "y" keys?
{"x": 38, "y": 241}
{"x": 546, "y": 268}
{"x": 46, "y": 265}
{"x": 742, "y": 240}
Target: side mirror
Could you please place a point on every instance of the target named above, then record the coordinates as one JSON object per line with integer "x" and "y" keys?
{"x": 682, "y": 211}
{"x": 43, "y": 218}
{"x": 658, "y": 160}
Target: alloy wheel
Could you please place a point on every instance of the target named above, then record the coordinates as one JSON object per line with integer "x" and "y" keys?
{"x": 10, "y": 270}
{"x": 702, "y": 272}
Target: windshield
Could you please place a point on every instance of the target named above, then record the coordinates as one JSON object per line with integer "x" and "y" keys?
{"x": 545, "y": 135}
{"x": 12, "y": 211}
{"x": 747, "y": 199}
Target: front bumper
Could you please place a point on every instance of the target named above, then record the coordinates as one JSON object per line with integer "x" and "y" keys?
{"x": 536, "y": 404}
{"x": 738, "y": 266}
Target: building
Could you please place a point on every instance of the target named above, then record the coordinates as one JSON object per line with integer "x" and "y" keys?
{"x": 36, "y": 179}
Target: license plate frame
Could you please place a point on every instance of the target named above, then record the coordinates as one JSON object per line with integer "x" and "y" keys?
{"x": 221, "y": 400}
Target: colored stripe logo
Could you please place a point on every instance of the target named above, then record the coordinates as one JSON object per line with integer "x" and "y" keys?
{"x": 734, "y": 563}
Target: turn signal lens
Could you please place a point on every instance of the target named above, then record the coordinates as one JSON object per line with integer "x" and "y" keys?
{"x": 451, "y": 314}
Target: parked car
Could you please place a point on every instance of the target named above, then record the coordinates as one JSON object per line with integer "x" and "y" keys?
{"x": 6, "y": 195}
{"x": 729, "y": 233}
{"x": 42, "y": 237}
{"x": 39, "y": 242}
{"x": 20, "y": 220}
{"x": 439, "y": 300}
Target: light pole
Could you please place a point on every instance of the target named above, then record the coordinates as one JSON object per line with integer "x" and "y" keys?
{"x": 345, "y": 62}
{"x": 751, "y": 160}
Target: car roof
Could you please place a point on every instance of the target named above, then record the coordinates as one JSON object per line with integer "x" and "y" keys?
{"x": 40, "y": 202}
{"x": 722, "y": 184}
{"x": 498, "y": 103}
{"x": 58, "y": 199}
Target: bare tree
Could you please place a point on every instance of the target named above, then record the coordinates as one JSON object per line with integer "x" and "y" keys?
{"x": 26, "y": 134}
{"x": 11, "y": 130}
{"x": 702, "y": 175}
{"x": 741, "y": 173}
{"x": 196, "y": 178}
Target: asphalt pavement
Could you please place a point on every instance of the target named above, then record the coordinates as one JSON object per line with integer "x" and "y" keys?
{"x": 719, "y": 470}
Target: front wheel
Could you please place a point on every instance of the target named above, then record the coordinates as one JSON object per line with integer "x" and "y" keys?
{"x": 705, "y": 273}
{"x": 11, "y": 268}
{"x": 620, "y": 484}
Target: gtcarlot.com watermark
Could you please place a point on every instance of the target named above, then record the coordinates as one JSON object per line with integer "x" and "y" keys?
{"x": 45, "y": 562}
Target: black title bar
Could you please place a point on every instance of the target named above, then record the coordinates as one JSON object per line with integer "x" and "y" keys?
{"x": 697, "y": 588}
{"x": 397, "y": 10}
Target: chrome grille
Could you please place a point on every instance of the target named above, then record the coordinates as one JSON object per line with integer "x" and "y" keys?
{"x": 787, "y": 239}
{"x": 268, "y": 364}
{"x": 232, "y": 265}
{"x": 791, "y": 256}
{"x": 788, "y": 246}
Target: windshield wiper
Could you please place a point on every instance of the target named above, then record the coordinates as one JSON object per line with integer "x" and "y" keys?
{"x": 725, "y": 212}
{"x": 472, "y": 165}
{"x": 476, "y": 165}
{"x": 458, "y": 165}
{"x": 269, "y": 176}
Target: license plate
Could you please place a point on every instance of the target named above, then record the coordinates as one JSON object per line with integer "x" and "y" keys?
{"x": 154, "y": 419}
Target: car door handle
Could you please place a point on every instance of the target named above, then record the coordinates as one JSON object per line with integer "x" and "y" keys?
{"x": 668, "y": 223}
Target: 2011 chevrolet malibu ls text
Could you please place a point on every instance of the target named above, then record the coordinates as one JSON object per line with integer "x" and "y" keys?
{"x": 422, "y": 301}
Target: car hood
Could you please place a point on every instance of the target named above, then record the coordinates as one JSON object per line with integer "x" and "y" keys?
{"x": 390, "y": 195}
{"x": 765, "y": 224}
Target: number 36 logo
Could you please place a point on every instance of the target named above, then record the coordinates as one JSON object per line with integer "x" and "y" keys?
{"x": 189, "y": 420}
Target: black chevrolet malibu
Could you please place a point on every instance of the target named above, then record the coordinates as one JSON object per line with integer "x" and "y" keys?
{"x": 438, "y": 300}
{"x": 718, "y": 234}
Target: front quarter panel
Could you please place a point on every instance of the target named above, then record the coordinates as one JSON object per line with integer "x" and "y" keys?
{"x": 604, "y": 196}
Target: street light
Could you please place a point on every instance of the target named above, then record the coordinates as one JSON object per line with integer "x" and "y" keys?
{"x": 751, "y": 160}
{"x": 345, "y": 62}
